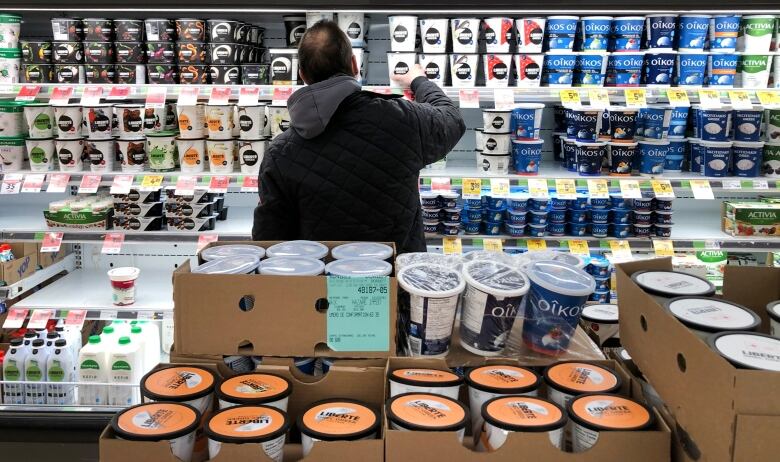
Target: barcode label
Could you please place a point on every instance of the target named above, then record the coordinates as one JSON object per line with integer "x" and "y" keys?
{"x": 56, "y": 29}
{"x": 415, "y": 346}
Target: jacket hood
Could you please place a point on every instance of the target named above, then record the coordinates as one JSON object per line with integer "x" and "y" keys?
{"x": 312, "y": 107}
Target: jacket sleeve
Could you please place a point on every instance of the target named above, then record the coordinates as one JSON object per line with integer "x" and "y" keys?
{"x": 275, "y": 215}
{"x": 440, "y": 122}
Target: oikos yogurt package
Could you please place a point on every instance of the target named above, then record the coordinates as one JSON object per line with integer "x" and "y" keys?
{"x": 258, "y": 425}
{"x": 748, "y": 350}
{"x": 507, "y": 414}
{"x": 560, "y": 32}
{"x": 706, "y": 315}
{"x": 427, "y": 413}
{"x": 660, "y": 31}
{"x": 530, "y": 34}
{"x": 558, "y": 69}
{"x": 659, "y": 68}
{"x": 590, "y": 70}
{"x": 528, "y": 68}
{"x": 691, "y": 69}
{"x": 431, "y": 381}
{"x": 595, "y": 32}
{"x": 526, "y": 121}
{"x": 172, "y": 422}
{"x": 337, "y": 420}
{"x": 189, "y": 385}
{"x": 626, "y": 33}
{"x": 652, "y": 156}
{"x": 723, "y": 33}
{"x": 488, "y": 382}
{"x": 591, "y": 414}
{"x": 465, "y": 33}
{"x": 624, "y": 70}
{"x": 721, "y": 70}
{"x": 692, "y": 31}
{"x": 527, "y": 156}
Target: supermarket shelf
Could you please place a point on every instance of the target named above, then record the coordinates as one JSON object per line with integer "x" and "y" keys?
{"x": 169, "y": 178}
{"x": 66, "y": 265}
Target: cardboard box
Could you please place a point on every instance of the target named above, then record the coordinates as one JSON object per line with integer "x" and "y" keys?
{"x": 722, "y": 413}
{"x": 404, "y": 446}
{"x": 24, "y": 264}
{"x": 46, "y": 259}
{"x": 286, "y": 319}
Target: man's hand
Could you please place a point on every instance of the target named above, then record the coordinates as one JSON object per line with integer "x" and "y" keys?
{"x": 407, "y": 79}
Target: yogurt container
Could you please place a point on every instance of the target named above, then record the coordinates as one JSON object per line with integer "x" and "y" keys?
{"x": 755, "y": 33}
{"x": 464, "y": 69}
{"x": 659, "y": 68}
{"x": 664, "y": 285}
{"x": 291, "y": 266}
{"x": 747, "y": 350}
{"x": 585, "y": 123}
{"x": 498, "y": 120}
{"x": 354, "y": 25}
{"x": 192, "y": 154}
{"x": 309, "y": 249}
{"x": 771, "y": 161}
{"x": 496, "y": 69}
{"x": 162, "y": 151}
{"x": 660, "y": 31}
{"x": 621, "y": 158}
{"x": 465, "y": 34}
{"x": 192, "y": 121}
{"x": 746, "y": 158}
{"x": 507, "y": 414}
{"x": 497, "y": 32}
{"x": 251, "y": 154}
{"x": 527, "y": 156}
{"x": 652, "y": 156}
{"x": 40, "y": 120}
{"x": 594, "y": 413}
{"x": 773, "y": 310}
{"x": 721, "y": 70}
{"x": 626, "y": 33}
{"x": 569, "y": 379}
{"x": 691, "y": 69}
{"x": 358, "y": 267}
{"x": 678, "y": 122}
{"x": 723, "y": 33}
{"x": 403, "y": 31}
{"x": 399, "y": 64}
{"x": 558, "y": 69}
{"x": 433, "y": 298}
{"x": 590, "y": 157}
{"x": 70, "y": 153}
{"x": 123, "y": 285}
{"x": 624, "y": 70}
{"x": 238, "y": 264}
{"x": 434, "y": 33}
{"x": 706, "y": 315}
{"x": 560, "y": 32}
{"x": 753, "y": 71}
{"x": 654, "y": 122}
{"x": 10, "y": 28}
{"x": 254, "y": 388}
{"x": 622, "y": 124}
{"x": 602, "y": 319}
{"x": 595, "y": 32}
{"x": 190, "y": 385}
{"x": 132, "y": 154}
{"x": 363, "y": 250}
{"x": 528, "y": 69}
{"x": 716, "y": 158}
{"x": 426, "y": 413}
{"x": 530, "y": 34}
{"x": 435, "y": 66}
{"x": 232, "y": 250}
{"x": 68, "y": 119}
{"x": 220, "y": 155}
{"x": 747, "y": 124}
{"x": 590, "y": 69}
{"x": 41, "y": 154}
{"x": 257, "y": 425}
{"x": 11, "y": 154}
{"x": 337, "y": 420}
{"x": 430, "y": 381}
{"x": 172, "y": 422}
{"x": 496, "y": 143}
{"x": 488, "y": 382}
{"x": 692, "y": 31}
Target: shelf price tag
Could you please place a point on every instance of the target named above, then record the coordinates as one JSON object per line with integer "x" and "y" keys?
{"x": 248, "y": 96}
{"x": 12, "y": 183}
{"x": 249, "y": 184}
{"x": 108, "y": 315}
{"x": 740, "y": 99}
{"x": 75, "y": 318}
{"x": 57, "y": 182}
{"x": 469, "y": 99}
{"x": 121, "y": 184}
{"x": 570, "y": 97}
{"x": 702, "y": 190}
{"x": 219, "y": 96}
{"x": 119, "y": 92}
{"x": 151, "y": 182}
{"x": 28, "y": 93}
{"x": 188, "y": 96}
{"x": 663, "y": 189}
{"x": 471, "y": 188}
{"x": 204, "y": 240}
{"x": 663, "y": 248}
{"x": 91, "y": 95}
{"x": 33, "y": 183}
{"x": 281, "y": 95}
{"x": 452, "y": 245}
{"x": 768, "y": 98}
{"x": 635, "y": 97}
{"x": 598, "y": 189}
{"x": 598, "y": 98}
{"x": 440, "y": 184}
{"x": 39, "y": 319}
{"x": 630, "y": 189}
{"x": 731, "y": 184}
{"x": 185, "y": 185}
{"x": 760, "y": 184}
{"x": 499, "y": 187}
{"x": 112, "y": 244}
{"x": 678, "y": 97}
{"x": 504, "y": 98}
{"x": 15, "y": 318}
{"x": 621, "y": 250}
{"x": 358, "y": 310}
{"x": 60, "y": 95}
{"x": 219, "y": 184}
{"x": 492, "y": 245}
{"x": 51, "y": 242}
{"x": 537, "y": 188}
{"x": 89, "y": 184}
{"x": 155, "y": 97}
{"x": 709, "y": 99}
{"x": 579, "y": 247}
{"x": 536, "y": 245}
{"x": 565, "y": 188}
{"x": 145, "y": 315}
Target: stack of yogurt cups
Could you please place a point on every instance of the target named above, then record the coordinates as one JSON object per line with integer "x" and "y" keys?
{"x": 583, "y": 152}
{"x": 493, "y": 141}
{"x": 525, "y": 134}
{"x": 771, "y": 160}
{"x": 68, "y": 50}
{"x": 10, "y": 54}
{"x": 440, "y": 211}
{"x": 254, "y": 128}
{"x": 12, "y": 143}
{"x": 69, "y": 144}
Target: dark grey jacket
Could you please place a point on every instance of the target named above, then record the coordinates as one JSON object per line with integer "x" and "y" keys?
{"x": 348, "y": 168}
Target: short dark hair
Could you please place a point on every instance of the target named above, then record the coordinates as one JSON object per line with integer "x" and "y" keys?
{"x": 324, "y": 51}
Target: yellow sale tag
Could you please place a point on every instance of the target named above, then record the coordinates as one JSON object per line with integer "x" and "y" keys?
{"x": 579, "y": 247}
{"x": 565, "y": 188}
{"x": 709, "y": 98}
{"x": 678, "y": 97}
{"x": 570, "y": 97}
{"x": 630, "y": 189}
{"x": 472, "y": 188}
{"x": 492, "y": 245}
{"x": 768, "y": 98}
{"x": 598, "y": 97}
{"x": 635, "y": 97}
{"x": 151, "y": 182}
{"x": 452, "y": 245}
{"x": 598, "y": 189}
{"x": 620, "y": 249}
{"x": 538, "y": 188}
{"x": 535, "y": 245}
{"x": 663, "y": 248}
{"x": 499, "y": 187}
{"x": 740, "y": 99}
{"x": 663, "y": 189}
{"x": 702, "y": 189}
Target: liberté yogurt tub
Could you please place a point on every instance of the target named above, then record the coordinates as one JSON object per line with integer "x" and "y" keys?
{"x": 337, "y": 420}
{"x": 426, "y": 413}
{"x": 291, "y": 266}
{"x": 663, "y": 285}
{"x": 190, "y": 385}
{"x": 773, "y": 310}
{"x": 308, "y": 249}
{"x": 431, "y": 381}
{"x": 566, "y": 380}
{"x": 233, "y": 250}
{"x": 748, "y": 350}
{"x": 238, "y": 264}
{"x": 259, "y": 425}
{"x": 595, "y": 413}
{"x": 172, "y": 422}
{"x": 507, "y": 414}
{"x": 363, "y": 250}
{"x": 358, "y": 267}
{"x": 488, "y": 382}
{"x": 705, "y": 316}
{"x": 254, "y": 388}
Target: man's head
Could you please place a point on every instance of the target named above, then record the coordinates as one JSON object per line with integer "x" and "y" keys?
{"x": 325, "y": 51}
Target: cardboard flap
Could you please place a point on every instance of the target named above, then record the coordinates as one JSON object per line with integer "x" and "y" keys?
{"x": 739, "y": 286}
{"x": 756, "y": 438}
{"x": 113, "y": 449}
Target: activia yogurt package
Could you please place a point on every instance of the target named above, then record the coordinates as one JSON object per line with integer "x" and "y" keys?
{"x": 337, "y": 420}
{"x": 263, "y": 426}
{"x": 172, "y": 422}
{"x": 488, "y": 382}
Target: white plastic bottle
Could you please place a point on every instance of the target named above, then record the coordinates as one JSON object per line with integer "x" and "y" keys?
{"x": 109, "y": 337}
{"x": 122, "y": 328}
{"x": 126, "y": 363}
{"x": 29, "y": 336}
{"x": 73, "y": 336}
{"x": 35, "y": 371}
{"x": 13, "y": 370}
{"x": 50, "y": 338}
{"x": 60, "y": 368}
{"x": 93, "y": 367}
{"x": 151, "y": 335}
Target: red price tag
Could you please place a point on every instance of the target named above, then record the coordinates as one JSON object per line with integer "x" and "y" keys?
{"x": 249, "y": 184}
{"x": 15, "y": 318}
{"x": 281, "y": 95}
{"x": 220, "y": 96}
{"x": 219, "y": 184}
{"x": 185, "y": 186}
{"x": 12, "y": 183}
{"x": 155, "y": 97}
{"x": 28, "y": 92}
{"x": 60, "y": 95}
{"x": 76, "y": 318}
{"x": 58, "y": 182}
{"x": 440, "y": 184}
{"x": 248, "y": 96}
{"x": 89, "y": 184}
{"x": 469, "y": 99}
{"x": 33, "y": 183}
{"x": 39, "y": 319}
{"x": 188, "y": 96}
{"x": 119, "y": 92}
{"x": 112, "y": 244}
{"x": 204, "y": 240}
{"x": 121, "y": 184}
{"x": 51, "y": 242}
{"x": 91, "y": 95}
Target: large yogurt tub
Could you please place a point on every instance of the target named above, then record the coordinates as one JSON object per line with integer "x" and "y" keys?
{"x": 233, "y": 250}
{"x": 705, "y": 316}
{"x": 508, "y": 414}
{"x": 663, "y": 285}
{"x": 748, "y": 350}
{"x": 254, "y": 388}
{"x": 308, "y": 249}
{"x": 413, "y": 258}
{"x": 190, "y": 385}
{"x": 488, "y": 382}
{"x": 494, "y": 294}
{"x": 430, "y": 381}
{"x": 363, "y": 250}
{"x": 568, "y": 379}
{"x": 423, "y": 412}
{"x": 433, "y": 299}
{"x": 172, "y": 422}
{"x": 291, "y": 266}
{"x": 261, "y": 425}
{"x": 595, "y": 413}
{"x": 773, "y": 310}
{"x": 239, "y": 264}
{"x": 337, "y": 420}
{"x": 601, "y": 318}
{"x": 358, "y": 267}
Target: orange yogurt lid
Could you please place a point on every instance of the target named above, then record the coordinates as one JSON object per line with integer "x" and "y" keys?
{"x": 155, "y": 421}
{"x": 425, "y": 377}
{"x": 254, "y": 388}
{"x": 503, "y": 378}
{"x": 580, "y": 377}
{"x": 523, "y": 413}
{"x": 426, "y": 412}
{"x": 245, "y": 424}
{"x": 609, "y": 412}
{"x": 339, "y": 419}
{"x": 177, "y": 383}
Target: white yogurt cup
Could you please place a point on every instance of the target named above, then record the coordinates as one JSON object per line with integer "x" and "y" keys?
{"x": 251, "y": 121}
{"x": 496, "y": 69}
{"x": 100, "y": 155}
{"x": 353, "y": 24}
{"x": 488, "y": 382}
{"x": 132, "y": 154}
{"x": 755, "y": 33}
{"x": 496, "y": 120}
{"x": 431, "y": 381}
{"x": 278, "y": 119}
{"x": 773, "y": 310}
{"x": 254, "y": 388}
{"x": 10, "y": 64}
{"x": 313, "y": 17}
{"x": 422, "y": 412}
{"x": 70, "y": 153}
{"x": 10, "y": 28}
{"x": 130, "y": 119}
{"x": 434, "y": 33}
{"x": 753, "y": 70}
{"x": 192, "y": 121}
{"x": 705, "y": 315}
{"x": 192, "y": 154}
{"x": 403, "y": 32}
{"x": 748, "y": 350}
{"x": 602, "y": 319}
{"x": 465, "y": 34}
{"x": 494, "y": 163}
{"x": 358, "y": 267}
{"x": 508, "y": 414}
{"x": 529, "y": 68}
{"x": 223, "y": 251}
{"x": 41, "y": 154}
{"x": 68, "y": 119}
{"x": 530, "y": 34}
{"x": 464, "y": 69}
{"x": 123, "y": 284}
{"x": 190, "y": 385}
{"x": 399, "y": 64}
{"x": 258, "y": 425}
{"x": 237, "y": 264}
{"x": 568, "y": 379}
{"x": 595, "y": 413}
{"x": 11, "y": 154}
{"x": 251, "y": 154}
{"x": 663, "y": 285}
{"x": 219, "y": 120}
{"x": 150, "y": 422}
{"x": 435, "y": 66}
{"x": 300, "y": 248}
{"x": 363, "y": 250}
{"x": 220, "y": 155}
{"x": 433, "y": 300}
{"x": 291, "y": 266}
{"x": 337, "y": 420}
{"x": 40, "y": 120}
{"x": 154, "y": 119}
{"x": 498, "y": 34}
{"x": 162, "y": 151}
{"x": 495, "y": 143}
{"x": 97, "y": 120}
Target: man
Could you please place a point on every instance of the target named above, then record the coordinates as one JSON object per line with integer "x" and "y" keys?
{"x": 348, "y": 167}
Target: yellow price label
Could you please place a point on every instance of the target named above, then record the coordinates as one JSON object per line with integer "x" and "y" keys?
{"x": 635, "y": 97}
{"x": 579, "y": 247}
{"x": 493, "y": 245}
{"x": 472, "y": 188}
{"x": 499, "y": 187}
{"x": 598, "y": 189}
{"x": 620, "y": 249}
{"x": 740, "y": 99}
{"x": 663, "y": 248}
{"x": 152, "y": 182}
{"x": 768, "y": 98}
{"x": 538, "y": 188}
{"x": 663, "y": 189}
{"x": 598, "y": 98}
{"x": 630, "y": 189}
{"x": 570, "y": 97}
{"x": 565, "y": 188}
{"x": 452, "y": 245}
{"x": 535, "y": 245}
{"x": 709, "y": 98}
{"x": 702, "y": 189}
{"x": 678, "y": 97}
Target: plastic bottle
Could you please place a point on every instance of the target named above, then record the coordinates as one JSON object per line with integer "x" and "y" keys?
{"x": 60, "y": 368}
{"x": 93, "y": 367}
{"x": 122, "y": 328}
{"x": 35, "y": 371}
{"x": 5, "y": 253}
{"x": 73, "y": 337}
{"x": 109, "y": 337}
{"x": 29, "y": 336}
{"x": 151, "y": 335}
{"x": 126, "y": 360}
{"x": 51, "y": 337}
{"x": 13, "y": 370}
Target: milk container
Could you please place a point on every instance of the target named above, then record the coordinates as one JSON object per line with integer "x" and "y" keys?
{"x": 35, "y": 371}
{"x": 13, "y": 370}
{"x": 125, "y": 361}
{"x": 93, "y": 367}
{"x": 60, "y": 367}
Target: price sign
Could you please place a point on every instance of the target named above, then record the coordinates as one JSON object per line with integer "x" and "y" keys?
{"x": 51, "y": 242}
{"x": 635, "y": 97}
{"x": 663, "y": 248}
{"x": 39, "y": 319}
{"x": 663, "y": 189}
{"x": 12, "y": 183}
{"x": 598, "y": 189}
{"x": 108, "y": 315}
{"x": 570, "y": 97}
{"x": 33, "y": 183}
{"x": 740, "y": 99}
{"x": 452, "y": 245}
{"x": 702, "y": 190}
{"x": 731, "y": 184}
{"x": 91, "y": 95}
{"x": 75, "y": 318}
{"x": 248, "y": 96}
{"x": 536, "y": 245}
{"x": 112, "y": 244}
{"x": 538, "y": 188}
{"x": 28, "y": 93}
{"x": 712, "y": 245}
{"x": 565, "y": 188}
{"x": 15, "y": 318}
{"x": 219, "y": 96}
{"x": 204, "y": 240}
{"x": 440, "y": 184}
{"x": 185, "y": 186}
{"x": 709, "y": 99}
{"x": 121, "y": 184}
{"x": 621, "y": 250}
{"x": 60, "y": 95}
{"x": 281, "y": 95}
{"x": 469, "y": 99}
{"x": 119, "y": 92}
{"x": 188, "y": 96}
{"x": 499, "y": 187}
{"x": 768, "y": 98}
{"x": 58, "y": 182}
{"x": 151, "y": 182}
{"x": 760, "y": 184}
{"x": 630, "y": 189}
{"x": 472, "y": 188}
{"x": 145, "y": 315}
{"x": 598, "y": 98}
{"x": 358, "y": 313}
{"x": 579, "y": 247}
{"x": 678, "y": 97}
{"x": 89, "y": 184}
{"x": 155, "y": 97}
{"x": 504, "y": 98}
{"x": 492, "y": 245}
{"x": 219, "y": 184}
{"x": 249, "y": 184}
